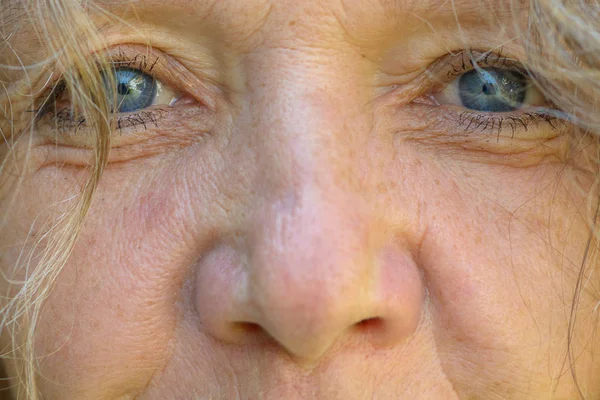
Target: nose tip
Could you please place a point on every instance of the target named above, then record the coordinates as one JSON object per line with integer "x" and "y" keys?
{"x": 308, "y": 282}
{"x": 347, "y": 297}
{"x": 307, "y": 321}
{"x": 308, "y": 327}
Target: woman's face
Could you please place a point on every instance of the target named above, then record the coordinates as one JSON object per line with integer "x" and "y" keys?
{"x": 314, "y": 215}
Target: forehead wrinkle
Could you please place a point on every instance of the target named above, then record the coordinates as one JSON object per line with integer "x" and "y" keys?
{"x": 409, "y": 15}
{"x": 205, "y": 6}
{"x": 201, "y": 8}
{"x": 241, "y": 19}
{"x": 460, "y": 6}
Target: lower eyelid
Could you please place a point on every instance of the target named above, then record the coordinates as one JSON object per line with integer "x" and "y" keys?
{"x": 527, "y": 124}
{"x": 186, "y": 122}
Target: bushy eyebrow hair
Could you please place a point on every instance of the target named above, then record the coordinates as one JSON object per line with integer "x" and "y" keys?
{"x": 13, "y": 11}
{"x": 7, "y": 5}
{"x": 14, "y": 7}
{"x": 459, "y": 5}
{"x": 10, "y": 12}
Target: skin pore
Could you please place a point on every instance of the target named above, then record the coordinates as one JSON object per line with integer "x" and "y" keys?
{"x": 305, "y": 220}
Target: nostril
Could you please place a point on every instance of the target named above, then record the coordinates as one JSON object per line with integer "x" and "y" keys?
{"x": 250, "y": 333}
{"x": 248, "y": 328}
{"x": 370, "y": 325}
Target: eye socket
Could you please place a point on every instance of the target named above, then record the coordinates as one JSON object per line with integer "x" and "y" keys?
{"x": 136, "y": 90}
{"x": 491, "y": 90}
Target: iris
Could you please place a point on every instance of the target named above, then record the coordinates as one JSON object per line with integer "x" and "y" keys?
{"x": 135, "y": 90}
{"x": 493, "y": 90}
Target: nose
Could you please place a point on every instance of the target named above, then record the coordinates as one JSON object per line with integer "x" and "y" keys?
{"x": 318, "y": 265}
{"x": 316, "y": 272}
{"x": 319, "y": 273}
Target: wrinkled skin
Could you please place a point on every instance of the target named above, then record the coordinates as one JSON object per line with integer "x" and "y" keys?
{"x": 301, "y": 226}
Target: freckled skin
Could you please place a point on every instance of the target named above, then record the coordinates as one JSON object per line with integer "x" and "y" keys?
{"x": 310, "y": 235}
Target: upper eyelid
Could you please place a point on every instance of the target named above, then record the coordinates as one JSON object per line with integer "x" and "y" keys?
{"x": 451, "y": 66}
{"x": 167, "y": 69}
{"x": 153, "y": 65}
{"x": 159, "y": 65}
{"x": 444, "y": 70}
{"x": 447, "y": 68}
{"x": 153, "y": 62}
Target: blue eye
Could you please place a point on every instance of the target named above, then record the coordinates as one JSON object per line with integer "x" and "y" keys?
{"x": 493, "y": 90}
{"x": 135, "y": 90}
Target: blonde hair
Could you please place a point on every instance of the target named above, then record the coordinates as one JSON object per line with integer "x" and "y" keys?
{"x": 563, "y": 43}
{"x": 85, "y": 84}
{"x": 564, "y": 49}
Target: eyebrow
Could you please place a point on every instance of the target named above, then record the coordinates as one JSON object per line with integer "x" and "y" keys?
{"x": 13, "y": 10}
{"x": 10, "y": 12}
{"x": 458, "y": 4}
{"x": 421, "y": 6}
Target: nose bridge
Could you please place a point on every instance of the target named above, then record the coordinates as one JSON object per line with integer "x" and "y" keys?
{"x": 310, "y": 272}
{"x": 318, "y": 259}
{"x": 312, "y": 243}
{"x": 309, "y": 128}
{"x": 308, "y": 122}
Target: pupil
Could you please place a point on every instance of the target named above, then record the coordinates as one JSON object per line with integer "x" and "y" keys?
{"x": 489, "y": 89}
{"x": 492, "y": 90}
{"x": 134, "y": 90}
{"x": 123, "y": 89}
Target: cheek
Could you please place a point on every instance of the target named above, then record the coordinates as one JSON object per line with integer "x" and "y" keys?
{"x": 501, "y": 259}
{"x": 107, "y": 326}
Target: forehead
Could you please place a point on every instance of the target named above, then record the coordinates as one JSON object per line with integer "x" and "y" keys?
{"x": 243, "y": 25}
{"x": 352, "y": 11}
{"x": 235, "y": 18}
{"x": 349, "y": 7}
{"x": 406, "y": 5}
{"x": 10, "y": 8}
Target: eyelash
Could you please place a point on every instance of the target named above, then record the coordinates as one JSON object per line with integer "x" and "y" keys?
{"x": 497, "y": 123}
{"x": 65, "y": 119}
{"x": 490, "y": 59}
{"x": 475, "y": 121}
